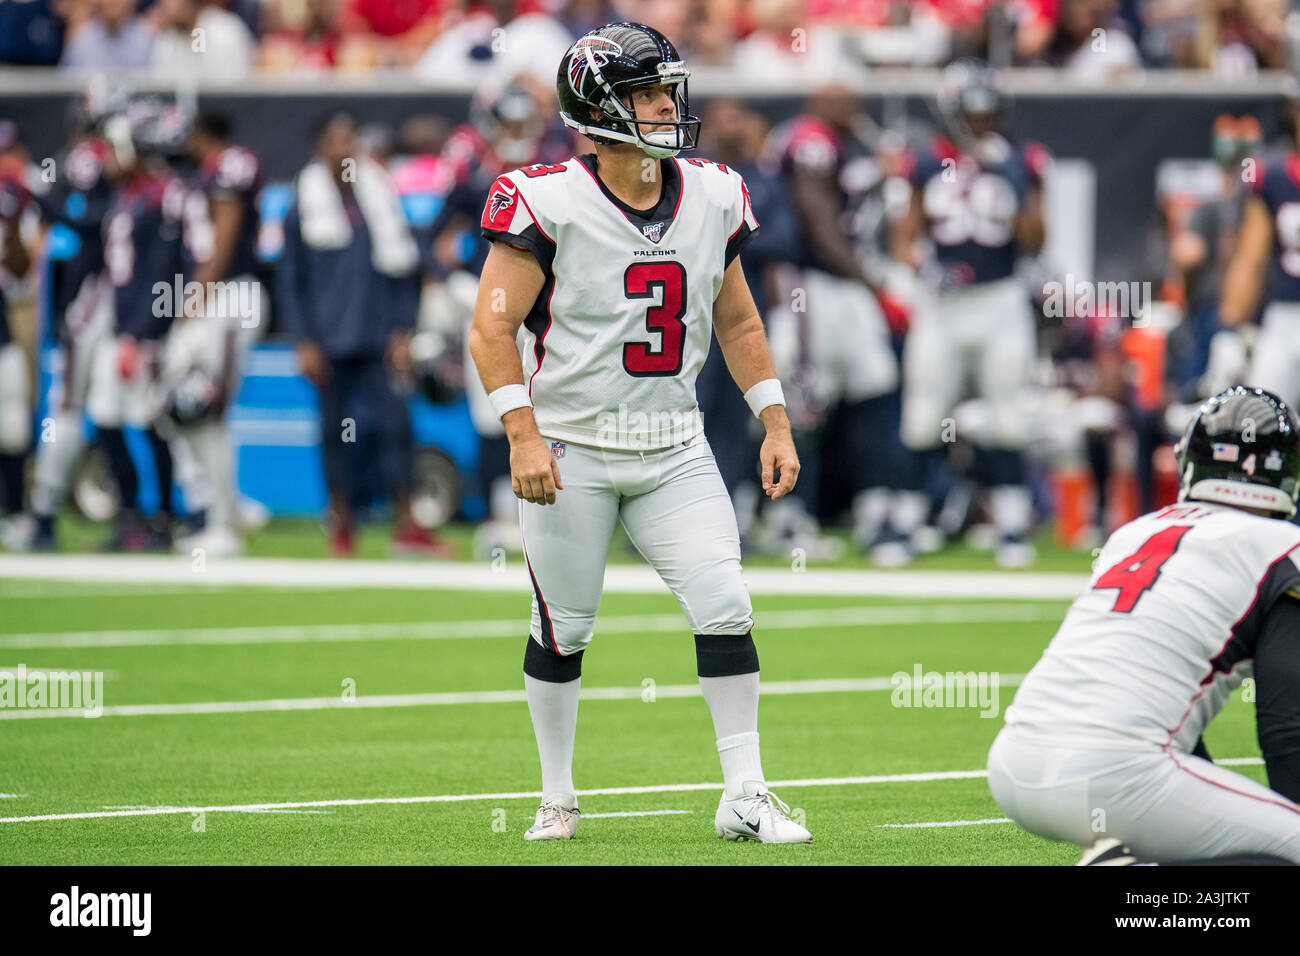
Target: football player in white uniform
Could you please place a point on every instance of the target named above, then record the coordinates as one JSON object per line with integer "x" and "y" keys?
{"x": 1100, "y": 746}
{"x": 618, "y": 265}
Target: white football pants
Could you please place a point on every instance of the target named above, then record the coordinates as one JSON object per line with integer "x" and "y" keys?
{"x": 986, "y": 330}
{"x": 1275, "y": 362}
{"x": 677, "y": 513}
{"x": 1165, "y": 806}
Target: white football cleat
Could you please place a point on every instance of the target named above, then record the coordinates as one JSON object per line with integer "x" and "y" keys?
{"x": 557, "y": 819}
{"x": 1107, "y": 852}
{"x": 214, "y": 541}
{"x": 759, "y": 815}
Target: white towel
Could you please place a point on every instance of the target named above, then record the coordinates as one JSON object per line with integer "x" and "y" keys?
{"x": 326, "y": 226}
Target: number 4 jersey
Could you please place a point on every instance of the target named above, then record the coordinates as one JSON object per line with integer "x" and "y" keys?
{"x": 1166, "y": 630}
{"x": 622, "y": 324}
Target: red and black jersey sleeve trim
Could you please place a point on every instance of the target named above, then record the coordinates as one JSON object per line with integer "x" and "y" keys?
{"x": 1282, "y": 575}
{"x": 532, "y": 239}
{"x": 742, "y": 237}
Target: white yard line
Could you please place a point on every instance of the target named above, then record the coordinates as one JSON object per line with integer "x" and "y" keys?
{"x": 807, "y": 620}
{"x": 941, "y": 823}
{"x": 480, "y": 797}
{"x": 472, "y": 576}
{"x": 523, "y": 795}
{"x": 666, "y": 691}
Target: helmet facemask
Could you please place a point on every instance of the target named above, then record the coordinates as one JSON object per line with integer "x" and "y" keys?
{"x": 659, "y": 144}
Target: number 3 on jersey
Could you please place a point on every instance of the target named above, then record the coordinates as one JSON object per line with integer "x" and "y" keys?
{"x": 667, "y": 280}
{"x": 1135, "y": 575}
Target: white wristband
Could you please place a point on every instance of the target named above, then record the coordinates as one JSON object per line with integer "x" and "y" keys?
{"x": 509, "y": 397}
{"x": 765, "y": 393}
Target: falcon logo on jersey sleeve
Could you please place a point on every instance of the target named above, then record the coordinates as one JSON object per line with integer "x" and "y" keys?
{"x": 500, "y": 209}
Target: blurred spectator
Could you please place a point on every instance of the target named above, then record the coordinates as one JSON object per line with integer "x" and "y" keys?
{"x": 1247, "y": 35}
{"x": 580, "y": 17}
{"x": 406, "y": 26}
{"x": 114, "y": 38}
{"x": 1091, "y": 43}
{"x": 202, "y": 41}
{"x": 787, "y": 46}
{"x": 306, "y": 39}
{"x": 31, "y": 32}
{"x": 348, "y": 288}
{"x": 499, "y": 38}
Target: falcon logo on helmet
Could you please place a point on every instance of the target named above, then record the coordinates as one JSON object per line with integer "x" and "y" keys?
{"x": 590, "y": 51}
{"x": 596, "y": 80}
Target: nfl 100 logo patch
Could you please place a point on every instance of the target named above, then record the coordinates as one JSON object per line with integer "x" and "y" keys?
{"x": 557, "y": 449}
{"x": 653, "y": 231}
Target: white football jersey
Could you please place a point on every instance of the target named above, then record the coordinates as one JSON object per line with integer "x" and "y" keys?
{"x": 623, "y": 323}
{"x": 1166, "y": 630}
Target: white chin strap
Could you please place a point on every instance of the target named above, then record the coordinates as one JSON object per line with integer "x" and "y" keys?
{"x": 657, "y": 144}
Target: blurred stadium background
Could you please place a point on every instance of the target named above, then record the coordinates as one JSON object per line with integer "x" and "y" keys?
{"x": 1126, "y": 98}
{"x": 223, "y": 688}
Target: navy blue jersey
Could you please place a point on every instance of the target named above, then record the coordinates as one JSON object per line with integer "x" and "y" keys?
{"x": 14, "y": 198}
{"x": 1277, "y": 182}
{"x": 971, "y": 204}
{"x": 79, "y": 200}
{"x": 231, "y": 173}
{"x": 143, "y": 237}
{"x": 811, "y": 145}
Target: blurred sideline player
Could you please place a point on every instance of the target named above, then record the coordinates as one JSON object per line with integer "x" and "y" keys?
{"x": 143, "y": 246}
{"x": 734, "y": 135}
{"x": 205, "y": 353}
{"x": 1100, "y": 746}
{"x": 1267, "y": 262}
{"x": 619, "y": 265}
{"x": 82, "y": 304}
{"x": 507, "y": 129}
{"x": 15, "y": 403}
{"x": 348, "y": 291}
{"x": 843, "y": 318}
{"x": 978, "y": 199}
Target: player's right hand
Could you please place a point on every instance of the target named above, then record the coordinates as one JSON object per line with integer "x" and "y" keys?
{"x": 534, "y": 472}
{"x": 128, "y": 357}
{"x": 313, "y": 362}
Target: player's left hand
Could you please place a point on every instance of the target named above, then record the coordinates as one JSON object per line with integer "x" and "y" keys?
{"x": 399, "y": 353}
{"x": 780, "y": 463}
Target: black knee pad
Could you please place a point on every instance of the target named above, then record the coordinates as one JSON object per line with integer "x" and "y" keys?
{"x": 725, "y": 655}
{"x": 542, "y": 663}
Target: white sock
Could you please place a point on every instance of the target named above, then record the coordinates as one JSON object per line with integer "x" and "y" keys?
{"x": 740, "y": 763}
{"x": 733, "y": 702}
{"x": 554, "y": 709}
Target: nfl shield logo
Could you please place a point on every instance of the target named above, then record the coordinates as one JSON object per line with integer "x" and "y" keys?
{"x": 557, "y": 449}
{"x": 653, "y": 231}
